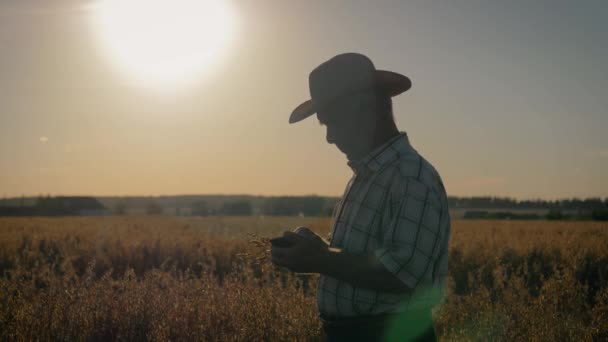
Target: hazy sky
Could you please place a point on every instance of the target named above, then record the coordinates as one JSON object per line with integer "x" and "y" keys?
{"x": 509, "y": 98}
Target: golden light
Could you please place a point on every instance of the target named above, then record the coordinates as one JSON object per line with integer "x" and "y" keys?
{"x": 164, "y": 42}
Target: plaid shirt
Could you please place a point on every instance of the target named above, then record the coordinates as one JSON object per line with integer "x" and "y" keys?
{"x": 394, "y": 206}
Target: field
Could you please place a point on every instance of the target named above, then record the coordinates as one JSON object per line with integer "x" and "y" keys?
{"x": 177, "y": 278}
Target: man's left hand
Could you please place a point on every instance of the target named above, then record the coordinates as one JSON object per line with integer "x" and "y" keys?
{"x": 306, "y": 255}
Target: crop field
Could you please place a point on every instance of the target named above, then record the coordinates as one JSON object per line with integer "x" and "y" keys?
{"x": 186, "y": 278}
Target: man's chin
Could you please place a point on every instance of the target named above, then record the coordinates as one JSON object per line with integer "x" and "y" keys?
{"x": 351, "y": 155}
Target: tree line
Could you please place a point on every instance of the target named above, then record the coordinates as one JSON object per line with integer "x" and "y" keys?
{"x": 245, "y": 205}
{"x": 489, "y": 202}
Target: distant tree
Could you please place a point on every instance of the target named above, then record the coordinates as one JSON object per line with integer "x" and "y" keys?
{"x": 295, "y": 205}
{"x": 554, "y": 214}
{"x": 153, "y": 208}
{"x": 329, "y": 206}
{"x": 120, "y": 208}
{"x": 311, "y": 205}
{"x": 599, "y": 214}
{"x": 236, "y": 208}
{"x": 475, "y": 214}
{"x": 200, "y": 208}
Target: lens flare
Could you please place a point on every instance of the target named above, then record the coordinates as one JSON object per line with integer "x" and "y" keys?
{"x": 162, "y": 42}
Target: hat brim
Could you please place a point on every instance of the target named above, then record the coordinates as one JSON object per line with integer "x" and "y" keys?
{"x": 390, "y": 83}
{"x": 302, "y": 111}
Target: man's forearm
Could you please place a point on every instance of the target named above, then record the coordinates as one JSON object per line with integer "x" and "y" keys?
{"x": 361, "y": 271}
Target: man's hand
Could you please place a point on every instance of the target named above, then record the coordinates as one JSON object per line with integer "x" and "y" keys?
{"x": 306, "y": 255}
{"x": 306, "y": 232}
{"x": 310, "y": 253}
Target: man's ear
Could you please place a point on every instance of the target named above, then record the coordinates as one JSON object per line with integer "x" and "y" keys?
{"x": 367, "y": 99}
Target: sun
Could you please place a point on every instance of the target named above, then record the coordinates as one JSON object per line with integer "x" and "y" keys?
{"x": 164, "y": 42}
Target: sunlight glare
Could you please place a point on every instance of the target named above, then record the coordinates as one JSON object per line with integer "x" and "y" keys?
{"x": 164, "y": 42}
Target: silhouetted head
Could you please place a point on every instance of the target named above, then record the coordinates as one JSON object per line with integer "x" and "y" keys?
{"x": 352, "y": 121}
{"x": 353, "y": 100}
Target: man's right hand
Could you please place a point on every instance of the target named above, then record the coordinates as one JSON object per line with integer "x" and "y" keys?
{"x": 306, "y": 232}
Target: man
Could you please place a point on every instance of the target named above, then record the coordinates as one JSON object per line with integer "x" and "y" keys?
{"x": 385, "y": 264}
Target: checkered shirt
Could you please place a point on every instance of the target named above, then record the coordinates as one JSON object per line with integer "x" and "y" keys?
{"x": 394, "y": 206}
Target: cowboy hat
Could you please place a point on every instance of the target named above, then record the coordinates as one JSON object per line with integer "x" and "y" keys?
{"x": 345, "y": 74}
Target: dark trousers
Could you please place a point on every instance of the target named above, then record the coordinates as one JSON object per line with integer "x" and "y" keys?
{"x": 388, "y": 327}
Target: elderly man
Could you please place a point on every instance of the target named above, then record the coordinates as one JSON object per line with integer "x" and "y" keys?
{"x": 385, "y": 265}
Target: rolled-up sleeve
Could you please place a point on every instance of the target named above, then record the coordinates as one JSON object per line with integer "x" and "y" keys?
{"x": 411, "y": 239}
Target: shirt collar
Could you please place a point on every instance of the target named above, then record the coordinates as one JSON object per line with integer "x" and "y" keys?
{"x": 382, "y": 155}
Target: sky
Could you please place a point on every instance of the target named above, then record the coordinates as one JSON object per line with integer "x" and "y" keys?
{"x": 508, "y": 98}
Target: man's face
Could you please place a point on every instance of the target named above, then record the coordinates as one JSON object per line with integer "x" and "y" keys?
{"x": 350, "y": 123}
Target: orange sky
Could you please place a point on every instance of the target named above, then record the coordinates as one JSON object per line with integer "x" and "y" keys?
{"x": 489, "y": 106}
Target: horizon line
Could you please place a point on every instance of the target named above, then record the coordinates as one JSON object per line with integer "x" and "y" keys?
{"x": 4, "y": 197}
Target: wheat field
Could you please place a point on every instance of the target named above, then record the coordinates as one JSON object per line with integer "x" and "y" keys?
{"x": 185, "y": 278}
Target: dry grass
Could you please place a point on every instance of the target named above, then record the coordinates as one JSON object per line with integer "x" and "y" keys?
{"x": 163, "y": 278}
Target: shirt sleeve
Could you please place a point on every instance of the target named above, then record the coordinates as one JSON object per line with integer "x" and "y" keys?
{"x": 411, "y": 240}
{"x": 334, "y": 218}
